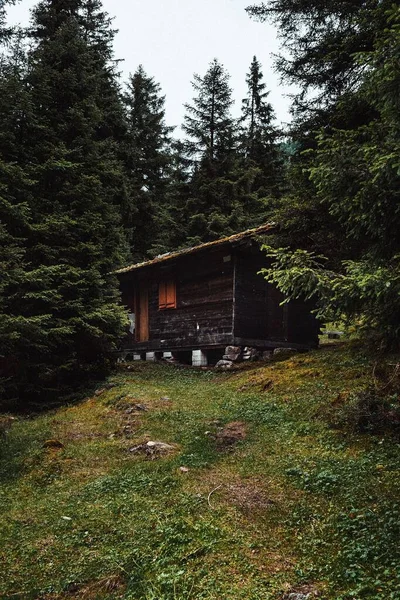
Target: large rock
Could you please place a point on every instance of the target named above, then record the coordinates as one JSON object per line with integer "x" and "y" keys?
{"x": 224, "y": 365}
{"x": 232, "y": 353}
{"x": 251, "y": 353}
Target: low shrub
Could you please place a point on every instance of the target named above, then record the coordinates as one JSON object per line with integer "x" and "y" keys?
{"x": 368, "y": 411}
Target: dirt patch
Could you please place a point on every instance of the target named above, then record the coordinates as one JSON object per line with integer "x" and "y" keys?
{"x": 230, "y": 435}
{"x": 248, "y": 495}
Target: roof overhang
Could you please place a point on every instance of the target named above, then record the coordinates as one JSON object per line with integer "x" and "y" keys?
{"x": 249, "y": 234}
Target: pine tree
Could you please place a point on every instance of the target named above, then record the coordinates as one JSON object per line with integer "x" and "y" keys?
{"x": 259, "y": 138}
{"x": 208, "y": 121}
{"x": 178, "y": 192}
{"x": 211, "y": 210}
{"x": 321, "y": 39}
{"x": 18, "y": 330}
{"x": 148, "y": 159}
{"x": 349, "y": 53}
{"x": 75, "y": 238}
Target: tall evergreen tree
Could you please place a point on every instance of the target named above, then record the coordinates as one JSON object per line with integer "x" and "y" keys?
{"x": 75, "y": 238}
{"x": 18, "y": 329}
{"x": 211, "y": 146}
{"x": 321, "y": 39}
{"x": 208, "y": 121}
{"x": 259, "y": 137}
{"x": 148, "y": 159}
{"x": 257, "y": 114}
{"x": 351, "y": 54}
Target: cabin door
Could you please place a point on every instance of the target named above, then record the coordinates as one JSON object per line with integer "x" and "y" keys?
{"x": 143, "y": 315}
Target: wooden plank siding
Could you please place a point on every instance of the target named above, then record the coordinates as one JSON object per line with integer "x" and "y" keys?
{"x": 220, "y": 300}
{"x": 252, "y": 318}
{"x": 260, "y": 318}
{"x": 204, "y": 298}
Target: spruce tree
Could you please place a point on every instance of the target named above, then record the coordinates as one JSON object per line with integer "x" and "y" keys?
{"x": 348, "y": 53}
{"x": 148, "y": 160}
{"x": 259, "y": 137}
{"x": 179, "y": 190}
{"x": 75, "y": 238}
{"x": 208, "y": 121}
{"x": 18, "y": 329}
{"x": 321, "y": 39}
{"x": 211, "y": 146}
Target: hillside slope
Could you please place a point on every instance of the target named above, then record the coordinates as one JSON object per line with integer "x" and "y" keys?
{"x": 258, "y": 491}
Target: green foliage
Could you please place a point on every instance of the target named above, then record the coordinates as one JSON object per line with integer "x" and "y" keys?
{"x": 322, "y": 39}
{"x": 62, "y": 195}
{"x": 365, "y": 293}
{"x": 208, "y": 121}
{"x": 258, "y": 136}
{"x": 346, "y": 205}
{"x": 368, "y": 411}
{"x": 233, "y": 168}
{"x": 148, "y": 163}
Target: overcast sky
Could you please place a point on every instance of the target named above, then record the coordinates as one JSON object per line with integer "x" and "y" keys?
{"x": 173, "y": 39}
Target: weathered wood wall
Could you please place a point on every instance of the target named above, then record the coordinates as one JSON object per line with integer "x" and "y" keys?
{"x": 221, "y": 299}
{"x": 259, "y": 313}
{"x": 204, "y": 290}
{"x": 303, "y": 327}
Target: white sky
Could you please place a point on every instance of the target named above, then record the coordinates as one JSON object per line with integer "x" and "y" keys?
{"x": 175, "y": 38}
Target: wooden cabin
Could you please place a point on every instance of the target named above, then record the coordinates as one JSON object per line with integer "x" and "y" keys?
{"x": 194, "y": 302}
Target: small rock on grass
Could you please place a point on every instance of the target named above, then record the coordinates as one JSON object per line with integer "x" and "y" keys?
{"x": 306, "y": 592}
{"x": 152, "y": 448}
{"x": 158, "y": 446}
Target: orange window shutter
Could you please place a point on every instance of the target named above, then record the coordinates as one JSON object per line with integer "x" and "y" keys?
{"x": 162, "y": 295}
{"x": 167, "y": 295}
{"x": 171, "y": 294}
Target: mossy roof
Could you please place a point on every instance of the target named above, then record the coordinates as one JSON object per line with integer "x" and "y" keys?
{"x": 232, "y": 239}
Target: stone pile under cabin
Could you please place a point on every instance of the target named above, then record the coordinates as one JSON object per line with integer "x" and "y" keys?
{"x": 191, "y": 304}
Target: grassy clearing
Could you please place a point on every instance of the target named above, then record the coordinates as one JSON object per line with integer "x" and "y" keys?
{"x": 257, "y": 499}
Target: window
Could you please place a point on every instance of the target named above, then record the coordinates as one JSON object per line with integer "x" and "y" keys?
{"x": 167, "y": 295}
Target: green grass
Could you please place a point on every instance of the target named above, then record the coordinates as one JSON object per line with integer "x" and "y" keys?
{"x": 294, "y": 506}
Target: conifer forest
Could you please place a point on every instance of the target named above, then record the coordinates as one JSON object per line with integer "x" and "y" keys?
{"x": 93, "y": 178}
